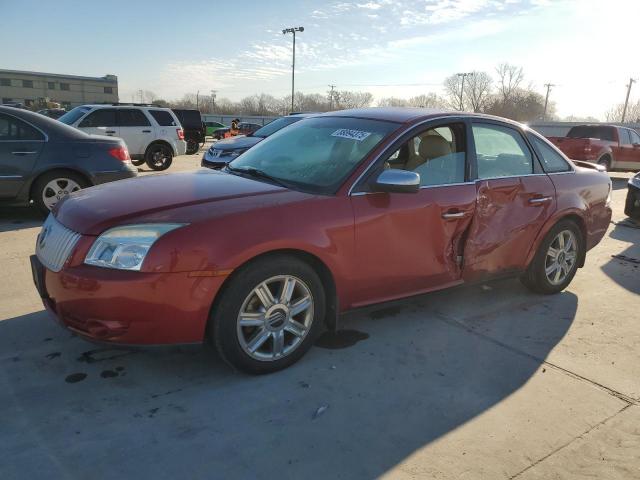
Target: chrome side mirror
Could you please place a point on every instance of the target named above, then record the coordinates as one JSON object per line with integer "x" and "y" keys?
{"x": 397, "y": 181}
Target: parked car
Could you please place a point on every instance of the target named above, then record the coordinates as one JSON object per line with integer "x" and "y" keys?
{"x": 194, "y": 130}
{"x": 152, "y": 134}
{"x": 632, "y": 205}
{"x": 335, "y": 212}
{"x": 244, "y": 128}
{"x": 212, "y": 127}
{"x": 224, "y": 151}
{"x": 42, "y": 160}
{"x": 54, "y": 113}
{"x": 615, "y": 148}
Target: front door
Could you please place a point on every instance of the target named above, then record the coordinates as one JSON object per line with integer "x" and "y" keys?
{"x": 20, "y": 147}
{"x": 100, "y": 122}
{"x": 514, "y": 200}
{"x": 410, "y": 243}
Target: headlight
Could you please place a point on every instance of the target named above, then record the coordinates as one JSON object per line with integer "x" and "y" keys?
{"x": 126, "y": 247}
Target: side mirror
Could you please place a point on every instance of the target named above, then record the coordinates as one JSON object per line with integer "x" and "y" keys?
{"x": 397, "y": 181}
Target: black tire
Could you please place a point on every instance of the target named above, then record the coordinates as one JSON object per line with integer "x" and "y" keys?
{"x": 158, "y": 156}
{"x": 535, "y": 278}
{"x": 605, "y": 161}
{"x": 38, "y": 192}
{"x": 137, "y": 162}
{"x": 192, "y": 147}
{"x": 223, "y": 328}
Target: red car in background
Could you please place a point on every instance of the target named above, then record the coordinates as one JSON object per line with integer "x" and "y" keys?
{"x": 615, "y": 148}
{"x": 335, "y": 212}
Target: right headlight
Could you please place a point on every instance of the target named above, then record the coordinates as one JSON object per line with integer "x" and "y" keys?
{"x": 126, "y": 247}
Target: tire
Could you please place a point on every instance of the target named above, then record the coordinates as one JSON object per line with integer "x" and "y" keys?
{"x": 49, "y": 189}
{"x": 158, "y": 156}
{"x": 137, "y": 162}
{"x": 254, "y": 348}
{"x": 192, "y": 147}
{"x": 605, "y": 161}
{"x": 537, "y": 278}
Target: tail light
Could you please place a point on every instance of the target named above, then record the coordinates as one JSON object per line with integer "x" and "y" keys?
{"x": 180, "y": 134}
{"x": 120, "y": 152}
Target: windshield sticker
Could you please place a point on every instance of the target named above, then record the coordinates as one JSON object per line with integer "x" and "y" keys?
{"x": 357, "y": 135}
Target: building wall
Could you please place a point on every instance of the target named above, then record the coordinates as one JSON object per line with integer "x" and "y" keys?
{"x": 81, "y": 90}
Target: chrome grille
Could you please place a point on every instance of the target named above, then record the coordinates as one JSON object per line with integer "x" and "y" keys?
{"x": 55, "y": 243}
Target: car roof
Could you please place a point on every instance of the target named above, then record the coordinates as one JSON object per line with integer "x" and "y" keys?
{"x": 391, "y": 114}
{"x": 108, "y": 105}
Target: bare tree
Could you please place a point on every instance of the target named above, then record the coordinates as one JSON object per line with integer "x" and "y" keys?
{"x": 633, "y": 113}
{"x": 453, "y": 91}
{"x": 477, "y": 90}
{"x": 393, "y": 102}
{"x": 429, "y": 100}
{"x": 348, "y": 99}
{"x": 509, "y": 79}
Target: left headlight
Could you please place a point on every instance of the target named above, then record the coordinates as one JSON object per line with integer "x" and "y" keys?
{"x": 126, "y": 247}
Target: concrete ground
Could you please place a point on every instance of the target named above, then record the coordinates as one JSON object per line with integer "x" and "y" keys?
{"x": 487, "y": 381}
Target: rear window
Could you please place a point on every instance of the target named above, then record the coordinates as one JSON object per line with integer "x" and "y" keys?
{"x": 164, "y": 118}
{"x": 130, "y": 117}
{"x": 74, "y": 115}
{"x": 189, "y": 118}
{"x": 587, "y": 131}
{"x": 276, "y": 125}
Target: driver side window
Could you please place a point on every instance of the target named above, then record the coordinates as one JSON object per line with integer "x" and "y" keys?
{"x": 437, "y": 154}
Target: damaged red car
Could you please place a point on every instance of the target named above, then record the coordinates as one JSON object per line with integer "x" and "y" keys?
{"x": 334, "y": 212}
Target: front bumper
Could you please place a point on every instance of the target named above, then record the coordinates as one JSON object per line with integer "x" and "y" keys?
{"x": 632, "y": 205}
{"x": 131, "y": 308}
{"x": 209, "y": 161}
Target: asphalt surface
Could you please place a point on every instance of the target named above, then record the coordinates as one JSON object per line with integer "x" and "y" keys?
{"x": 487, "y": 381}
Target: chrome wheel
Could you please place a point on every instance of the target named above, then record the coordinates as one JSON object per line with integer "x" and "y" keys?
{"x": 561, "y": 257}
{"x": 275, "y": 318}
{"x": 57, "y": 188}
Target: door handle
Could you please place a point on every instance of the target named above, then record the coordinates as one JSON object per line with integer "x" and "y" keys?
{"x": 539, "y": 200}
{"x": 146, "y": 131}
{"x": 110, "y": 131}
{"x": 453, "y": 215}
{"x": 21, "y": 152}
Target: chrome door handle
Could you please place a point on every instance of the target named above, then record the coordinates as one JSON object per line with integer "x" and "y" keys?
{"x": 449, "y": 216}
{"x": 19, "y": 152}
{"x": 539, "y": 200}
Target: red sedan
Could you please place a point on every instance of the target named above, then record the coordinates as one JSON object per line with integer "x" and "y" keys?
{"x": 332, "y": 213}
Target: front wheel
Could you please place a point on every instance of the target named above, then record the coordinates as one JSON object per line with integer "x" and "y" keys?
{"x": 137, "y": 162}
{"x": 268, "y": 315}
{"x": 158, "y": 157}
{"x": 556, "y": 262}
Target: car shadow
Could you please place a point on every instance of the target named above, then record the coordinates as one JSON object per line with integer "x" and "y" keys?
{"x": 624, "y": 266}
{"x": 17, "y": 218}
{"x": 423, "y": 367}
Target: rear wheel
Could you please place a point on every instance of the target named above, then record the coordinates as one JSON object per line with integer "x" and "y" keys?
{"x": 158, "y": 156}
{"x": 192, "y": 147}
{"x": 605, "y": 161}
{"x": 269, "y": 315}
{"x": 557, "y": 259}
{"x": 50, "y": 188}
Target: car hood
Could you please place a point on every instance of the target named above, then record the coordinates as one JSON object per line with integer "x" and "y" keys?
{"x": 236, "y": 143}
{"x": 177, "y": 197}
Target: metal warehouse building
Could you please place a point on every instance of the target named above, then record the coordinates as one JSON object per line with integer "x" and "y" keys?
{"x": 68, "y": 90}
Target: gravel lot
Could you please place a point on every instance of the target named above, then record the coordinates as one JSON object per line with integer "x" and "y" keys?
{"x": 487, "y": 381}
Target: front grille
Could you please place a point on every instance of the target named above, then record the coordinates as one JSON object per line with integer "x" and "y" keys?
{"x": 55, "y": 243}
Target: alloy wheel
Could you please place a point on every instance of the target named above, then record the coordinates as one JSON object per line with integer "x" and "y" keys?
{"x": 561, "y": 257}
{"x": 56, "y": 189}
{"x": 275, "y": 318}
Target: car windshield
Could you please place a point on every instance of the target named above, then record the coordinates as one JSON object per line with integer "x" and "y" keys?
{"x": 273, "y": 127}
{"x": 316, "y": 155}
{"x": 73, "y": 115}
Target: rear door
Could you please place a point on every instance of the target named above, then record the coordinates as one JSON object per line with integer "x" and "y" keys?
{"x": 408, "y": 243}
{"x": 20, "y": 146}
{"x": 101, "y": 121}
{"x": 514, "y": 200}
{"x": 135, "y": 129}
{"x": 626, "y": 153}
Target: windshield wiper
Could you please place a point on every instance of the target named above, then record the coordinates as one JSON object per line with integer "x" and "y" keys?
{"x": 257, "y": 173}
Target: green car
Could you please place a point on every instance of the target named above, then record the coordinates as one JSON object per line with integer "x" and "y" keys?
{"x": 212, "y": 127}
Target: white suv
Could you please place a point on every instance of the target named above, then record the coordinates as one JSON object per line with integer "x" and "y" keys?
{"x": 152, "y": 134}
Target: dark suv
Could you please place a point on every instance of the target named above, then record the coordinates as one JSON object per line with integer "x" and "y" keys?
{"x": 194, "y": 129}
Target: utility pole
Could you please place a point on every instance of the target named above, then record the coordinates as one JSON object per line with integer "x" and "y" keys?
{"x": 626, "y": 101}
{"x": 463, "y": 75}
{"x": 546, "y": 99}
{"x": 141, "y": 99}
{"x": 293, "y": 64}
{"x": 213, "y": 100}
{"x": 331, "y": 97}
{"x": 198, "y": 100}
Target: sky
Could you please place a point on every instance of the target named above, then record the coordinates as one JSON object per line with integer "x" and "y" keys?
{"x": 402, "y": 48}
